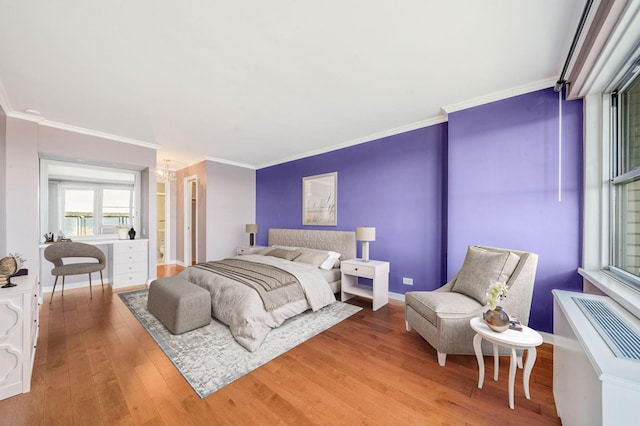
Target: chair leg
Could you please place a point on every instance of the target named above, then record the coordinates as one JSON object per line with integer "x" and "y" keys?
{"x": 90, "y": 291}
{"x": 54, "y": 289}
{"x": 63, "y": 285}
{"x": 101, "y": 281}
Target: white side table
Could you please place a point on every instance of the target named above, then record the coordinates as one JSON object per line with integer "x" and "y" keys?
{"x": 242, "y": 250}
{"x": 511, "y": 339}
{"x": 376, "y": 270}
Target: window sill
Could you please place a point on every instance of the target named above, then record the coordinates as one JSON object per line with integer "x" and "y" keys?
{"x": 614, "y": 288}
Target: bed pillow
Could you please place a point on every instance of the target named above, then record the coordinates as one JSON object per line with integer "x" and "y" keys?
{"x": 311, "y": 257}
{"x": 333, "y": 261}
{"x": 284, "y": 253}
{"x": 266, "y": 250}
{"x": 480, "y": 269}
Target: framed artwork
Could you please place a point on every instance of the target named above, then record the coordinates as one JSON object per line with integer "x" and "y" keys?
{"x": 320, "y": 200}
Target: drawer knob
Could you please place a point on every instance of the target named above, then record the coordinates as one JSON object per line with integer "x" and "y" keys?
{"x": 356, "y": 269}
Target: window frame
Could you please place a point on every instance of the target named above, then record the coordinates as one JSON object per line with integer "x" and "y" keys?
{"x": 46, "y": 209}
{"x": 98, "y": 189}
{"x": 619, "y": 176}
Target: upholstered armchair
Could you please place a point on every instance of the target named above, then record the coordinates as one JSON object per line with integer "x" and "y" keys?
{"x": 59, "y": 253}
{"x": 442, "y": 316}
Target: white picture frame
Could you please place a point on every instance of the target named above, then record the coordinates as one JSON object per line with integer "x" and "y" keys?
{"x": 320, "y": 200}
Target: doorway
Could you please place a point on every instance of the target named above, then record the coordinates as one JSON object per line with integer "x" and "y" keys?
{"x": 163, "y": 225}
{"x": 190, "y": 220}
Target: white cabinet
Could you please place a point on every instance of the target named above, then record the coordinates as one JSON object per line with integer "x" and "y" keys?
{"x": 130, "y": 263}
{"x": 376, "y": 270}
{"x": 591, "y": 385}
{"x": 19, "y": 324}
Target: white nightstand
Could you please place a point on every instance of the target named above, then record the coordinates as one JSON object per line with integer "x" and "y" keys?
{"x": 376, "y": 270}
{"x": 240, "y": 250}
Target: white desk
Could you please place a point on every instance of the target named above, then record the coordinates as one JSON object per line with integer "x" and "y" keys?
{"x": 127, "y": 264}
{"x": 512, "y": 339}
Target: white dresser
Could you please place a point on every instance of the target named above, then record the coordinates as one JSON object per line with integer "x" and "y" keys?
{"x": 19, "y": 324}
{"x": 130, "y": 263}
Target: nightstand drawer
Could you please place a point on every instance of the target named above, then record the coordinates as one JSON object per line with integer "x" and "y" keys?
{"x": 360, "y": 270}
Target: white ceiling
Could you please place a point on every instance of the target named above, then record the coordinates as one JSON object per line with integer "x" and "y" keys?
{"x": 257, "y": 82}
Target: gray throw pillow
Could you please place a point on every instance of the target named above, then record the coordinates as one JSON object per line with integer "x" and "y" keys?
{"x": 284, "y": 254}
{"x": 312, "y": 257}
{"x": 480, "y": 269}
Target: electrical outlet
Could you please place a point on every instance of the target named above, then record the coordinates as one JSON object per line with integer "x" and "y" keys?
{"x": 407, "y": 281}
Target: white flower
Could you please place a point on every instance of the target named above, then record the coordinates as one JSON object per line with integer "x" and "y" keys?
{"x": 496, "y": 293}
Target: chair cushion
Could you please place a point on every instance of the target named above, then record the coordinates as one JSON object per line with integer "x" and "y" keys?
{"x": 78, "y": 268}
{"x": 431, "y": 303}
{"x": 481, "y": 268}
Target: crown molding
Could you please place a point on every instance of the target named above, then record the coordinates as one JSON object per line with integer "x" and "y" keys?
{"x": 75, "y": 129}
{"x": 96, "y": 133}
{"x": 372, "y": 137}
{"x": 498, "y": 96}
{"x": 229, "y": 162}
{"x": 26, "y": 117}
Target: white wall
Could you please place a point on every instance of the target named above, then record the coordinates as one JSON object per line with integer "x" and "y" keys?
{"x": 226, "y": 203}
{"x": 3, "y": 178}
{"x": 231, "y": 204}
{"x": 22, "y": 172}
{"x": 26, "y": 141}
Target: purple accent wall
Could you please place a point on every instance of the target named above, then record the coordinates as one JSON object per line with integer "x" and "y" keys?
{"x": 394, "y": 184}
{"x": 488, "y": 177}
{"x": 503, "y": 189}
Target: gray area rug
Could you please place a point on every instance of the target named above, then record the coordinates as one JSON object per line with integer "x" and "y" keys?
{"x": 210, "y": 358}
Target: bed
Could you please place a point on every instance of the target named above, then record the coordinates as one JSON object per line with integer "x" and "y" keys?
{"x": 255, "y": 293}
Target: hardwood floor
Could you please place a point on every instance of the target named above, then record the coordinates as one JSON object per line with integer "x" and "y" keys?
{"x": 95, "y": 364}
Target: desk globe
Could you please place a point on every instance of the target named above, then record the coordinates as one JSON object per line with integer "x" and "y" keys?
{"x": 8, "y": 267}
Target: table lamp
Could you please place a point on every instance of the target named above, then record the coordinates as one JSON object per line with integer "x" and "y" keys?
{"x": 251, "y": 229}
{"x": 365, "y": 234}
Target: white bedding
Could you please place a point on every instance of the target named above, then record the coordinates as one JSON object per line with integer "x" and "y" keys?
{"x": 241, "y": 308}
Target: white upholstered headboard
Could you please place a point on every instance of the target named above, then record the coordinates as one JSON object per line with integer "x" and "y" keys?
{"x": 343, "y": 242}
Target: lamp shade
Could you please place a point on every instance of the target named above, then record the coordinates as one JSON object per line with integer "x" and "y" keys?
{"x": 251, "y": 228}
{"x": 365, "y": 233}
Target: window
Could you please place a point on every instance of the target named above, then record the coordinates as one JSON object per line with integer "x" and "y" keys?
{"x": 87, "y": 201}
{"x": 625, "y": 182}
{"x": 94, "y": 209}
{"x": 78, "y": 211}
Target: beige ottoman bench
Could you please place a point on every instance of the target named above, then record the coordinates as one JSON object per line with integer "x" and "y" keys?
{"x": 180, "y": 305}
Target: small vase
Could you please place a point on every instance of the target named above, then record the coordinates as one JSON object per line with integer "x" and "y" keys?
{"x": 497, "y": 319}
{"x": 132, "y": 234}
{"x": 122, "y": 233}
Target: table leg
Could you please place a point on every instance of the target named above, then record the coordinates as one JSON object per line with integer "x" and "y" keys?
{"x": 477, "y": 347}
{"x": 528, "y": 366}
{"x": 512, "y": 376}
{"x": 496, "y": 362}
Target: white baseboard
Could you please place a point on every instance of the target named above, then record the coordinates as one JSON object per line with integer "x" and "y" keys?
{"x": 94, "y": 285}
{"x": 396, "y": 296}
{"x": 71, "y": 286}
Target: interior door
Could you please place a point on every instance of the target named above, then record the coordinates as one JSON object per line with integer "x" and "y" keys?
{"x": 190, "y": 220}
